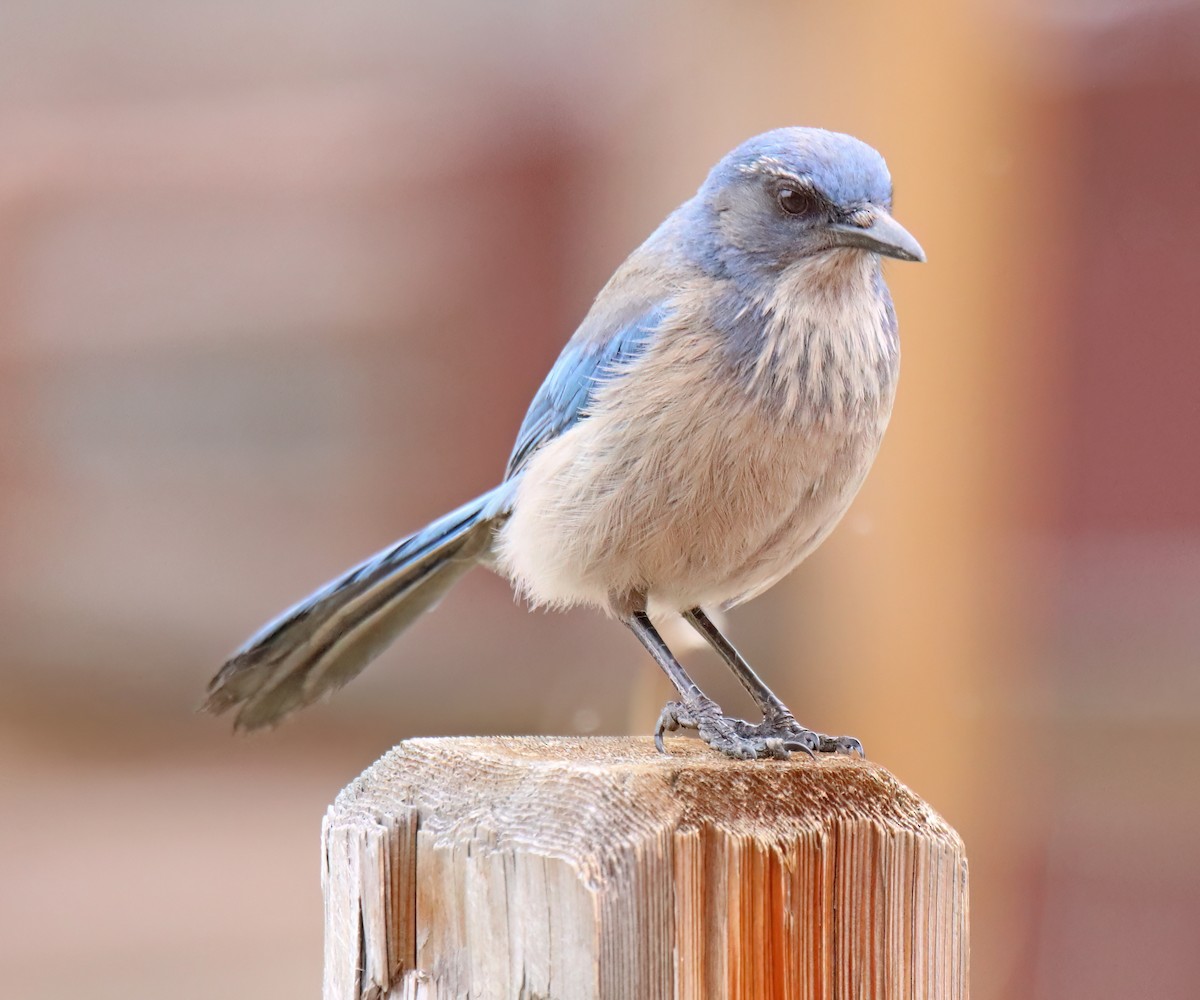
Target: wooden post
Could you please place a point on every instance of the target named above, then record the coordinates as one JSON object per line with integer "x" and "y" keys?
{"x": 563, "y": 869}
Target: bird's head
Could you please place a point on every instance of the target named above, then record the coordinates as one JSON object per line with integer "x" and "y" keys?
{"x": 797, "y": 193}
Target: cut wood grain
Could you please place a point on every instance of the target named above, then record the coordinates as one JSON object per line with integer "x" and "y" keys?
{"x": 565, "y": 869}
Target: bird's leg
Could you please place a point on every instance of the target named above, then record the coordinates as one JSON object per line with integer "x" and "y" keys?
{"x": 695, "y": 710}
{"x": 778, "y": 720}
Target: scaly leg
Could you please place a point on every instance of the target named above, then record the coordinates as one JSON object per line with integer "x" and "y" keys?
{"x": 695, "y": 710}
{"x": 777, "y": 721}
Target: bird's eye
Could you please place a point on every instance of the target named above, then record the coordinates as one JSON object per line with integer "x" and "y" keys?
{"x": 795, "y": 201}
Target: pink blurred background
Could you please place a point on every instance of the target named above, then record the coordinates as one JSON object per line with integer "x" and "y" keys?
{"x": 276, "y": 284}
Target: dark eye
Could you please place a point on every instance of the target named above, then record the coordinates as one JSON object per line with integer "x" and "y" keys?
{"x": 796, "y": 201}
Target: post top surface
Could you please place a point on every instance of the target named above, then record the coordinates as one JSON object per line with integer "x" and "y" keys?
{"x": 583, "y": 793}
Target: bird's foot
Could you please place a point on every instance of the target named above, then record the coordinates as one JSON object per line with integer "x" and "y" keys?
{"x": 783, "y": 726}
{"x": 776, "y": 736}
{"x": 732, "y": 737}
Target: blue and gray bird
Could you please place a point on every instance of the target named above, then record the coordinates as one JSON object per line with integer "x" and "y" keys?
{"x": 702, "y": 432}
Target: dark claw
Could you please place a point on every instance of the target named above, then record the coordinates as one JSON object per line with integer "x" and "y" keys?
{"x": 669, "y": 719}
{"x": 841, "y": 744}
{"x": 797, "y": 745}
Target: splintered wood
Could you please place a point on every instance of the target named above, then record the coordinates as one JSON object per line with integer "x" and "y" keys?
{"x": 565, "y": 869}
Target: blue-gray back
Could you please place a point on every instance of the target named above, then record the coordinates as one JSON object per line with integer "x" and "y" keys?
{"x": 585, "y": 363}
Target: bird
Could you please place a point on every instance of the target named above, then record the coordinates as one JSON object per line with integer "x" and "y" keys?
{"x": 700, "y": 434}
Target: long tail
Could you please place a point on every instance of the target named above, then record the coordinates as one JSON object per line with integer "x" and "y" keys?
{"x": 330, "y": 636}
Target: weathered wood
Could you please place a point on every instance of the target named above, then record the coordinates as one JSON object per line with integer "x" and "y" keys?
{"x": 564, "y": 869}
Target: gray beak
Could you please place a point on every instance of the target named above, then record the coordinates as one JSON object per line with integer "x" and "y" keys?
{"x": 882, "y": 235}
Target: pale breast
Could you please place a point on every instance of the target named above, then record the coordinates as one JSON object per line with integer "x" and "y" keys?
{"x": 693, "y": 480}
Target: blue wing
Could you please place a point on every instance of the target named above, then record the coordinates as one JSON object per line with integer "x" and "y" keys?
{"x": 584, "y": 364}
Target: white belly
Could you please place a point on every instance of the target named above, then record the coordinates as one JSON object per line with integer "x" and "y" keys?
{"x": 695, "y": 500}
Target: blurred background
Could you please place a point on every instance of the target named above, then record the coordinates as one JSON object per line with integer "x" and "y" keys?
{"x": 277, "y": 281}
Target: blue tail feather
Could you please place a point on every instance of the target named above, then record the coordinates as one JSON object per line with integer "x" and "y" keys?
{"x": 329, "y": 637}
